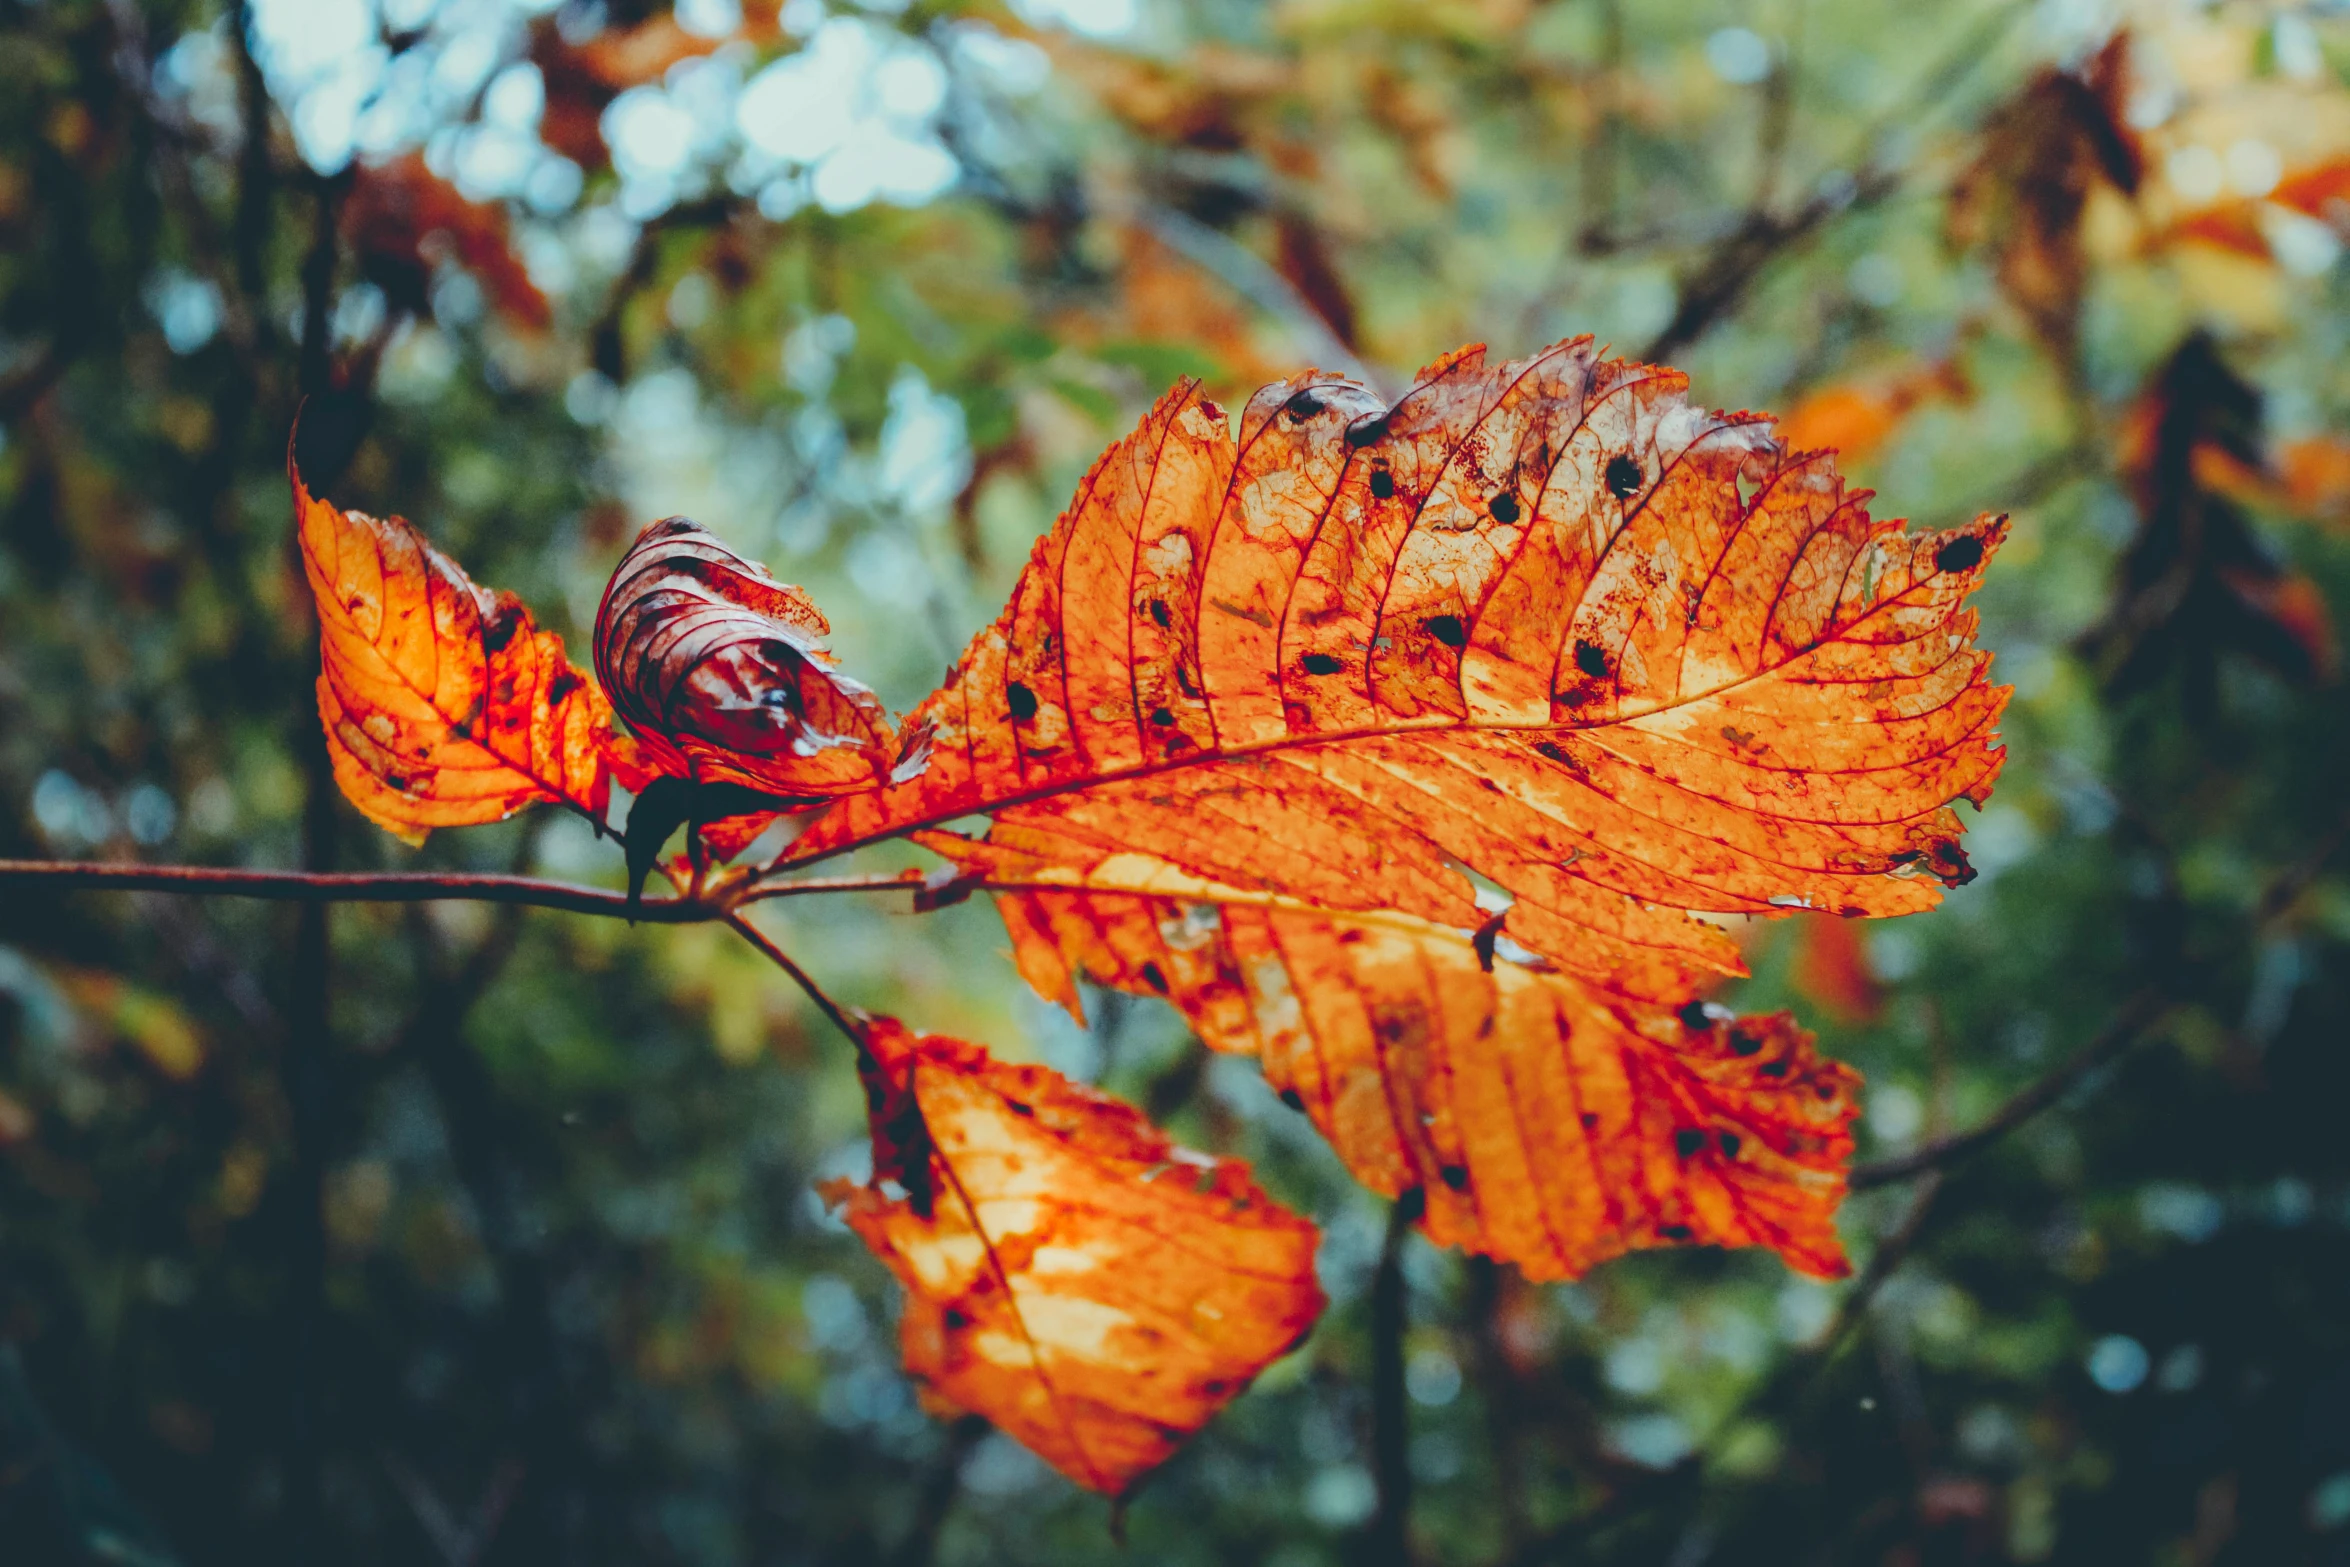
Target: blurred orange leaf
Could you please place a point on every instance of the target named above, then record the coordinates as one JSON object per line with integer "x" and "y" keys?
{"x": 1541, "y": 619}
{"x": 444, "y": 704}
{"x": 2043, "y": 152}
{"x": 1543, "y": 1122}
{"x": 1855, "y": 418}
{"x": 401, "y": 217}
{"x": 1070, "y": 1274}
{"x": 1832, "y": 968}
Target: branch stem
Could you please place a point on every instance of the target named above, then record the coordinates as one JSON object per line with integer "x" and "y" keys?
{"x": 841, "y": 1017}
{"x": 406, "y": 887}
{"x": 2135, "y": 1020}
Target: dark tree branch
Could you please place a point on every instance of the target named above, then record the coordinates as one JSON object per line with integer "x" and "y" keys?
{"x": 1389, "y": 1543}
{"x": 2136, "y": 1020}
{"x": 1718, "y": 284}
{"x": 1498, "y": 1388}
{"x": 942, "y": 1482}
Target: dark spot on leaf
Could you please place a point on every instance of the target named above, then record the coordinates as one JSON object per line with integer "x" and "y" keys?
{"x": 1456, "y": 1176}
{"x": 874, "y": 1094}
{"x": 1674, "y": 1232}
{"x": 1589, "y": 1120}
{"x": 1213, "y": 1387}
{"x": 1017, "y": 1108}
{"x": 1547, "y": 748}
{"x": 1023, "y": 702}
{"x": 1413, "y": 1203}
{"x": 1742, "y": 1043}
{"x": 1693, "y": 1018}
{"x": 1590, "y": 658}
{"x": 1505, "y": 507}
{"x": 1162, "y": 717}
{"x": 1448, "y": 630}
{"x": 1623, "y": 477}
{"x": 560, "y": 688}
{"x": 1156, "y": 980}
{"x": 1292, "y": 1098}
{"x": 1365, "y": 430}
{"x": 1731, "y": 1142}
{"x": 1382, "y": 484}
{"x": 1774, "y": 1068}
{"x": 499, "y": 629}
{"x": 1960, "y": 554}
{"x": 1321, "y": 664}
{"x": 1303, "y": 406}
{"x": 1688, "y": 1142}
{"x": 1482, "y": 942}
{"x": 1183, "y": 683}
{"x": 957, "y": 1319}
{"x": 1159, "y": 613}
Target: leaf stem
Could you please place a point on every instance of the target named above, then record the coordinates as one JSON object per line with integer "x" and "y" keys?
{"x": 842, "y": 1018}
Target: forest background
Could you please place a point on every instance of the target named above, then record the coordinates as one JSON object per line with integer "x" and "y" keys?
{"x": 461, "y": 1234}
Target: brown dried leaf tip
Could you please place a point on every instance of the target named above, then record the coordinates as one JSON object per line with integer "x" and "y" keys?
{"x": 1070, "y": 1274}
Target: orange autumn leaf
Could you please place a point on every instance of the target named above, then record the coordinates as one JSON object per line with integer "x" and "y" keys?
{"x": 444, "y": 704}
{"x": 1540, "y": 619}
{"x": 1095, "y": 1291}
{"x": 722, "y": 674}
{"x": 1542, "y": 1122}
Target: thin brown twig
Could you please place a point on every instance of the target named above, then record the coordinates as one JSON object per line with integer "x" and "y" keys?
{"x": 842, "y": 1018}
{"x": 357, "y": 887}
{"x": 412, "y": 887}
{"x": 2136, "y": 1020}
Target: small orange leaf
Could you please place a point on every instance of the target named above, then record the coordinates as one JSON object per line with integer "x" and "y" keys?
{"x": 2316, "y": 474}
{"x": 1543, "y": 1122}
{"x": 1854, "y": 419}
{"x": 722, "y": 674}
{"x": 444, "y": 704}
{"x": 1070, "y": 1274}
{"x": 1631, "y": 661}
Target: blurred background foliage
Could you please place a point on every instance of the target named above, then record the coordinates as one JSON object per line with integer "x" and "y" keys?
{"x": 452, "y": 1235}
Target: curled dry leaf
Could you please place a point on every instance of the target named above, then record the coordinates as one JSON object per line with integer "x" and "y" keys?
{"x": 444, "y": 704}
{"x": 1070, "y": 1274}
{"x": 1545, "y": 1122}
{"x": 721, "y": 672}
{"x": 1540, "y": 619}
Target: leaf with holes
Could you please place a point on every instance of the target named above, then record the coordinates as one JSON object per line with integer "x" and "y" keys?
{"x": 1070, "y": 1274}
{"x": 1540, "y": 1120}
{"x": 1540, "y": 620}
{"x": 444, "y": 704}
